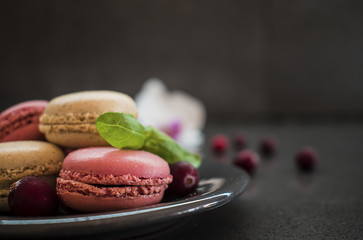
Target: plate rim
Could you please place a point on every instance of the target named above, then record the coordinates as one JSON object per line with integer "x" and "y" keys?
{"x": 184, "y": 207}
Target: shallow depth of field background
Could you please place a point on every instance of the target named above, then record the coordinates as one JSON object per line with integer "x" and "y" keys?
{"x": 246, "y": 60}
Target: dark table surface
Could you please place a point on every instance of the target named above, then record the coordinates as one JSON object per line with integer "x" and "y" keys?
{"x": 282, "y": 202}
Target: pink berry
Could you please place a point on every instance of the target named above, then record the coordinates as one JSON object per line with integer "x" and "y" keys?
{"x": 219, "y": 143}
{"x": 268, "y": 146}
{"x": 240, "y": 141}
{"x": 306, "y": 158}
{"x": 247, "y": 160}
{"x": 185, "y": 178}
{"x": 32, "y": 196}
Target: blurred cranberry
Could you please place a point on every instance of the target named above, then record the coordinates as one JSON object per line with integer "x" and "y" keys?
{"x": 219, "y": 143}
{"x": 68, "y": 151}
{"x": 240, "y": 141}
{"x": 268, "y": 146}
{"x": 306, "y": 158}
{"x": 247, "y": 160}
{"x": 185, "y": 178}
{"x": 32, "y": 196}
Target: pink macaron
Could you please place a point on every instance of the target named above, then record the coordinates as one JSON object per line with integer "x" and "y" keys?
{"x": 21, "y": 121}
{"x": 106, "y": 178}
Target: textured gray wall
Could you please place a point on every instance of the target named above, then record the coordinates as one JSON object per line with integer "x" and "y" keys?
{"x": 242, "y": 58}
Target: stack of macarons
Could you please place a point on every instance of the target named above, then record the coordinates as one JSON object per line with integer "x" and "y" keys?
{"x": 94, "y": 177}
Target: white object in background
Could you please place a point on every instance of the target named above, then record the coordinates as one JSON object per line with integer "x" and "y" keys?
{"x": 176, "y": 113}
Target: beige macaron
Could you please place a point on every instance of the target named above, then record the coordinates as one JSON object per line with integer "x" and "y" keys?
{"x": 19, "y": 159}
{"x": 69, "y": 120}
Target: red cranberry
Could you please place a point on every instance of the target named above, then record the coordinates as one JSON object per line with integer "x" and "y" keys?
{"x": 247, "y": 160}
{"x": 68, "y": 151}
{"x": 306, "y": 158}
{"x": 219, "y": 143}
{"x": 268, "y": 146}
{"x": 240, "y": 141}
{"x": 185, "y": 178}
{"x": 32, "y": 196}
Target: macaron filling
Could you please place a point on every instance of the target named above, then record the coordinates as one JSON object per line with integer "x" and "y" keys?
{"x": 109, "y": 185}
{"x": 111, "y": 179}
{"x": 77, "y": 123}
{"x": 67, "y": 128}
{"x": 103, "y": 191}
{"x": 70, "y": 118}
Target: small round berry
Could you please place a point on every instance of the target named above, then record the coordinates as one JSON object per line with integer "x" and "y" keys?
{"x": 306, "y": 158}
{"x": 32, "y": 196}
{"x": 185, "y": 178}
{"x": 247, "y": 160}
{"x": 240, "y": 141}
{"x": 219, "y": 143}
{"x": 68, "y": 151}
{"x": 268, "y": 146}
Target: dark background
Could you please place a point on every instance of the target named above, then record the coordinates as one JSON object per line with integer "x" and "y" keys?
{"x": 252, "y": 63}
{"x": 244, "y": 59}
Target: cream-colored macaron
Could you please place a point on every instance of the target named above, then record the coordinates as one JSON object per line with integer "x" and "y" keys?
{"x": 69, "y": 120}
{"x": 19, "y": 159}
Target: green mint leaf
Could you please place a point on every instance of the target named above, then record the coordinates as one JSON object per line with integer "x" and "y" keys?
{"x": 124, "y": 131}
{"x": 121, "y": 130}
{"x": 161, "y": 144}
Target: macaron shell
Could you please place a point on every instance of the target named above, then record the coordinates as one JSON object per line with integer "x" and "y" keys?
{"x": 24, "y": 106}
{"x": 97, "y": 204}
{"x": 91, "y": 101}
{"x": 23, "y": 158}
{"x": 110, "y": 160}
{"x": 76, "y": 140}
{"x": 4, "y": 192}
{"x": 24, "y": 132}
{"x": 21, "y": 121}
{"x": 4, "y": 207}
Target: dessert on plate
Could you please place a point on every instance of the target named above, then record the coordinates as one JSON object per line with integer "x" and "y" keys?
{"x": 19, "y": 159}
{"x": 118, "y": 164}
{"x": 106, "y": 178}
